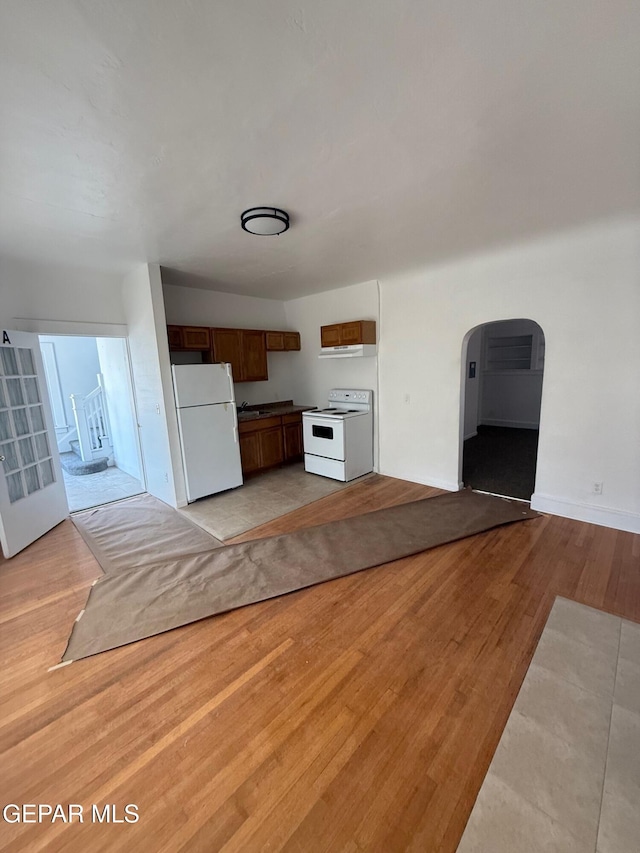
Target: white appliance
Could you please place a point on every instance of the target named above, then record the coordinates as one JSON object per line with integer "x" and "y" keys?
{"x": 348, "y": 351}
{"x": 208, "y": 424}
{"x": 338, "y": 440}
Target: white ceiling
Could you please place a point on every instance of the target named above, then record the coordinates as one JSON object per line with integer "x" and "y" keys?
{"x": 395, "y": 132}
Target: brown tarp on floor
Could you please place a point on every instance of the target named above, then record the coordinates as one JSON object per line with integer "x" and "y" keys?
{"x": 139, "y": 532}
{"x": 157, "y": 597}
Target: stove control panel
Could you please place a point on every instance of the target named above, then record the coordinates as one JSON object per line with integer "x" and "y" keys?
{"x": 350, "y": 395}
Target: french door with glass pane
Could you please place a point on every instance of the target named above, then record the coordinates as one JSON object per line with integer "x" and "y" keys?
{"x": 32, "y": 495}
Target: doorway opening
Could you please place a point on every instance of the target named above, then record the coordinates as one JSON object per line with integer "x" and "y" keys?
{"x": 501, "y": 401}
{"x": 93, "y": 408}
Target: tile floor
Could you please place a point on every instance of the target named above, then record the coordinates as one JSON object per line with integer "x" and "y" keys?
{"x": 94, "y": 489}
{"x": 260, "y": 499}
{"x": 566, "y": 774}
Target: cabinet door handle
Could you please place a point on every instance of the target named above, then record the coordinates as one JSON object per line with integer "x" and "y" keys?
{"x": 1, "y": 458}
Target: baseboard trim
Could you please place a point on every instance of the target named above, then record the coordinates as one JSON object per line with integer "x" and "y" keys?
{"x": 471, "y": 435}
{"x": 446, "y": 485}
{"x": 513, "y": 424}
{"x": 603, "y": 516}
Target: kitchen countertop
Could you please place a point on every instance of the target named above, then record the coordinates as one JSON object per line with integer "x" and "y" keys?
{"x": 269, "y": 410}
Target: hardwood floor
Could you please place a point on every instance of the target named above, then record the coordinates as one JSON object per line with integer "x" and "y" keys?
{"x": 358, "y": 715}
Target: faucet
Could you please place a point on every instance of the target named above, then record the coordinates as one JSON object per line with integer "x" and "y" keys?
{"x": 243, "y": 406}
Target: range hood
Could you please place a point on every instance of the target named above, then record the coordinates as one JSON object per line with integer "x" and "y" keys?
{"x": 350, "y": 351}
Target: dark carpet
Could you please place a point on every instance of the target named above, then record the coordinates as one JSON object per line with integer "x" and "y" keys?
{"x": 501, "y": 460}
{"x": 73, "y": 464}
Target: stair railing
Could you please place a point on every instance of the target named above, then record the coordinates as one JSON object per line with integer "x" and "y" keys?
{"x": 92, "y": 420}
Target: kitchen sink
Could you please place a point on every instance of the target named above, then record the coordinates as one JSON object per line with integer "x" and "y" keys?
{"x": 252, "y": 414}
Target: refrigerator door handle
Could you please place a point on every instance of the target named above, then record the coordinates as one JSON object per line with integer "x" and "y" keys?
{"x": 236, "y": 435}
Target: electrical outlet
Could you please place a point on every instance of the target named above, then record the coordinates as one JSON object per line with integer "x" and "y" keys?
{"x": 597, "y": 488}
{"x": 407, "y": 399}
{"x": 166, "y": 477}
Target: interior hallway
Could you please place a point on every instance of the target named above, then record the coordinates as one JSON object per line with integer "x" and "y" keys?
{"x": 360, "y": 714}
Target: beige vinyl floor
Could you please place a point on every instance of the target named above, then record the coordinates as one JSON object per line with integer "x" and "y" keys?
{"x": 261, "y": 499}
{"x": 88, "y": 490}
{"x": 565, "y": 777}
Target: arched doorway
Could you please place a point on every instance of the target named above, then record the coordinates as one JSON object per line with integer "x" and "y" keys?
{"x": 501, "y": 399}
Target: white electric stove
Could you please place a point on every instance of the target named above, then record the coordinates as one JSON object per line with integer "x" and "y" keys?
{"x": 338, "y": 440}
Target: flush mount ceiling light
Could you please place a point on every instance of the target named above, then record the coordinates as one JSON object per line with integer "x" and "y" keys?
{"x": 265, "y": 220}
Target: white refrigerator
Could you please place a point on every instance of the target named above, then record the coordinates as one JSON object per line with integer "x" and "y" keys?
{"x": 208, "y": 424}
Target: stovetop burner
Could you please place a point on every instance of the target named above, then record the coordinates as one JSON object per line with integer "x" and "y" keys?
{"x": 343, "y": 403}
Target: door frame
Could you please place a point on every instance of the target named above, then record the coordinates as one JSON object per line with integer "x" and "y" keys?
{"x": 463, "y": 391}
{"x": 71, "y": 328}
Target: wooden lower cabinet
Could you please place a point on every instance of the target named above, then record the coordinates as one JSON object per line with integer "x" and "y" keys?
{"x": 292, "y": 435}
{"x": 261, "y": 444}
{"x": 268, "y": 442}
{"x": 250, "y": 452}
{"x": 271, "y": 447}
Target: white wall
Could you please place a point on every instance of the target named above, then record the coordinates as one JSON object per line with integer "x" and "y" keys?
{"x": 583, "y": 289}
{"x": 148, "y": 346}
{"x": 314, "y": 377}
{"x": 511, "y": 400}
{"x": 65, "y": 294}
{"x": 192, "y": 306}
{"x": 78, "y": 367}
{"x": 114, "y": 366}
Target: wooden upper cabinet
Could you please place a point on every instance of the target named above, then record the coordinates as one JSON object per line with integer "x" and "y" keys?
{"x": 281, "y": 341}
{"x": 291, "y": 341}
{"x": 174, "y": 333}
{"x": 274, "y": 341}
{"x": 244, "y": 349}
{"x": 226, "y": 346}
{"x": 196, "y": 337}
{"x": 360, "y": 332}
{"x": 343, "y": 334}
{"x": 330, "y": 336}
{"x": 254, "y": 353}
{"x": 189, "y": 338}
